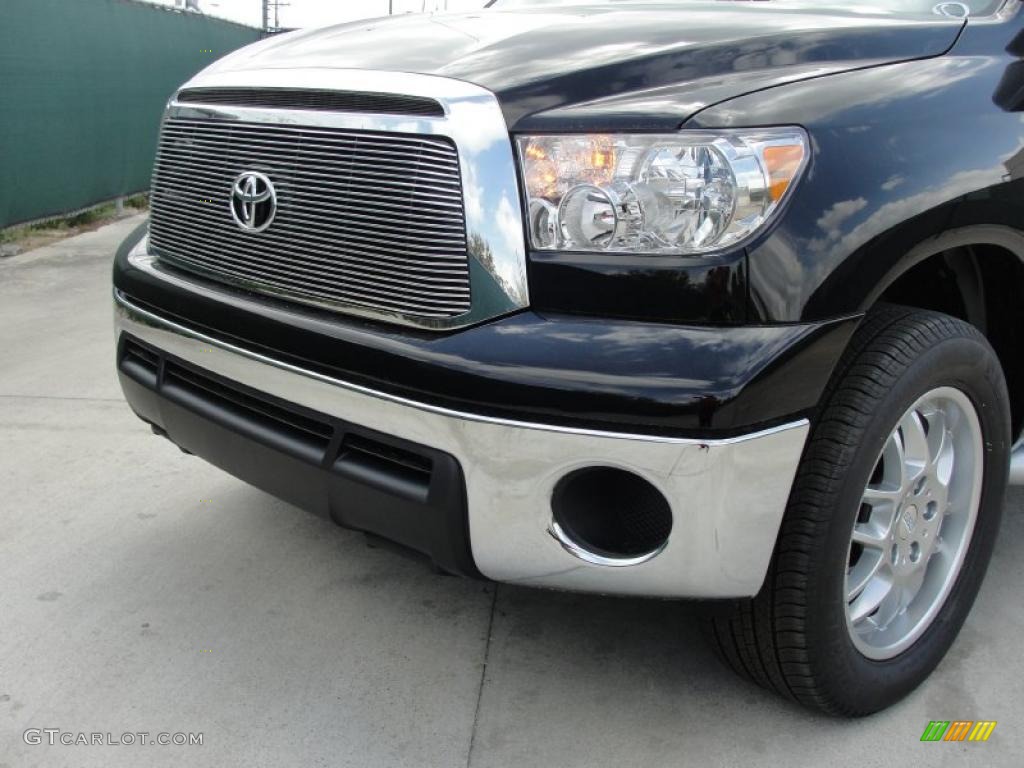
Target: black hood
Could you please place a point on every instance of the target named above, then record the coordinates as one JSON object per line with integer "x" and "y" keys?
{"x": 616, "y": 64}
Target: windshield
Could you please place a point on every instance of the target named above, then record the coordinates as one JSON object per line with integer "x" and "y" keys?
{"x": 959, "y": 9}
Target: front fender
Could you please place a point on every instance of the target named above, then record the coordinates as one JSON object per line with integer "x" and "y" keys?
{"x": 902, "y": 154}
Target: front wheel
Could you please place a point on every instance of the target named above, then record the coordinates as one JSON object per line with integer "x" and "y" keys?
{"x": 890, "y": 524}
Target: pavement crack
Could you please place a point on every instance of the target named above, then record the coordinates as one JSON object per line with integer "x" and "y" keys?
{"x": 483, "y": 678}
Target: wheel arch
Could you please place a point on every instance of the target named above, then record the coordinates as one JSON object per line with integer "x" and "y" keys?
{"x": 975, "y": 273}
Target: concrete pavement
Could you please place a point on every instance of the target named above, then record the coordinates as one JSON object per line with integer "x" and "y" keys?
{"x": 142, "y": 590}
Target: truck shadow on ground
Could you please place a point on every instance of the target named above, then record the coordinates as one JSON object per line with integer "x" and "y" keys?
{"x": 550, "y": 660}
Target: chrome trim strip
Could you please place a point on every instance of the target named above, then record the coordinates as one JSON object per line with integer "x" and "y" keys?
{"x": 727, "y": 496}
{"x": 576, "y": 550}
{"x": 473, "y": 121}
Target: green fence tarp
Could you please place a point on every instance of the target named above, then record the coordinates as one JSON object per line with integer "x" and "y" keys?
{"x": 82, "y": 86}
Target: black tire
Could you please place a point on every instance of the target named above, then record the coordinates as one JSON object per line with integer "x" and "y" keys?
{"x": 793, "y": 637}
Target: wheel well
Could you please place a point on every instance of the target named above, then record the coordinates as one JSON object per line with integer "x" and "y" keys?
{"x": 983, "y": 285}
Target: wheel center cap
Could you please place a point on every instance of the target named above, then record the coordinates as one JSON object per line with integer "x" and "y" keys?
{"x": 908, "y": 522}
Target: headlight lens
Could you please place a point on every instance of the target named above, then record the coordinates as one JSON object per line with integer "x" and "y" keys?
{"x": 683, "y": 193}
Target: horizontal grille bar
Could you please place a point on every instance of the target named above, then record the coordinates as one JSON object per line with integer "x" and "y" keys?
{"x": 374, "y": 179}
{"x": 313, "y": 273}
{"x": 363, "y": 220}
{"x": 341, "y": 271}
{"x": 307, "y": 98}
{"x": 375, "y": 200}
{"x": 368, "y": 146}
{"x": 358, "y": 245}
{"x": 258, "y": 280}
{"x": 310, "y": 134}
{"x": 373, "y": 168}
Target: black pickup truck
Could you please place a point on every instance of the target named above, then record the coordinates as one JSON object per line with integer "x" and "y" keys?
{"x": 691, "y": 299}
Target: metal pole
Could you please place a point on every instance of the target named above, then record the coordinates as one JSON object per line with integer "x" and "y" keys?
{"x": 266, "y": 15}
{"x": 391, "y": 7}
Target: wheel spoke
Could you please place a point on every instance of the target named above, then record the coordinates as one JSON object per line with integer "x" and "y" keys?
{"x": 877, "y": 496}
{"x": 890, "y": 605}
{"x": 912, "y": 585}
{"x": 938, "y": 433}
{"x": 939, "y": 551}
{"x": 870, "y": 537}
{"x": 914, "y": 453}
{"x": 889, "y": 619}
{"x": 941, "y": 467}
{"x": 870, "y": 599}
{"x": 939, "y": 495}
{"x": 915, "y": 437}
{"x": 867, "y": 568}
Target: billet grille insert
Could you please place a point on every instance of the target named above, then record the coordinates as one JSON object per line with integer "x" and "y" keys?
{"x": 364, "y": 220}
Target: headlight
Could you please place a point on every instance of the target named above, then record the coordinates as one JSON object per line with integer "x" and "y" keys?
{"x": 683, "y": 193}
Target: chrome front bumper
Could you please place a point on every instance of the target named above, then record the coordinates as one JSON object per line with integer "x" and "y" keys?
{"x": 727, "y": 496}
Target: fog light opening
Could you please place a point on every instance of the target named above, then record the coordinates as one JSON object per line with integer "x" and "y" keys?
{"x": 609, "y": 516}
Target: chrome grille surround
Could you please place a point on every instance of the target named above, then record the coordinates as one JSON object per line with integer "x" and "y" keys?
{"x": 451, "y": 254}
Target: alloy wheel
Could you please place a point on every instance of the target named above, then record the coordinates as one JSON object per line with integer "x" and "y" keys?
{"x": 915, "y": 523}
